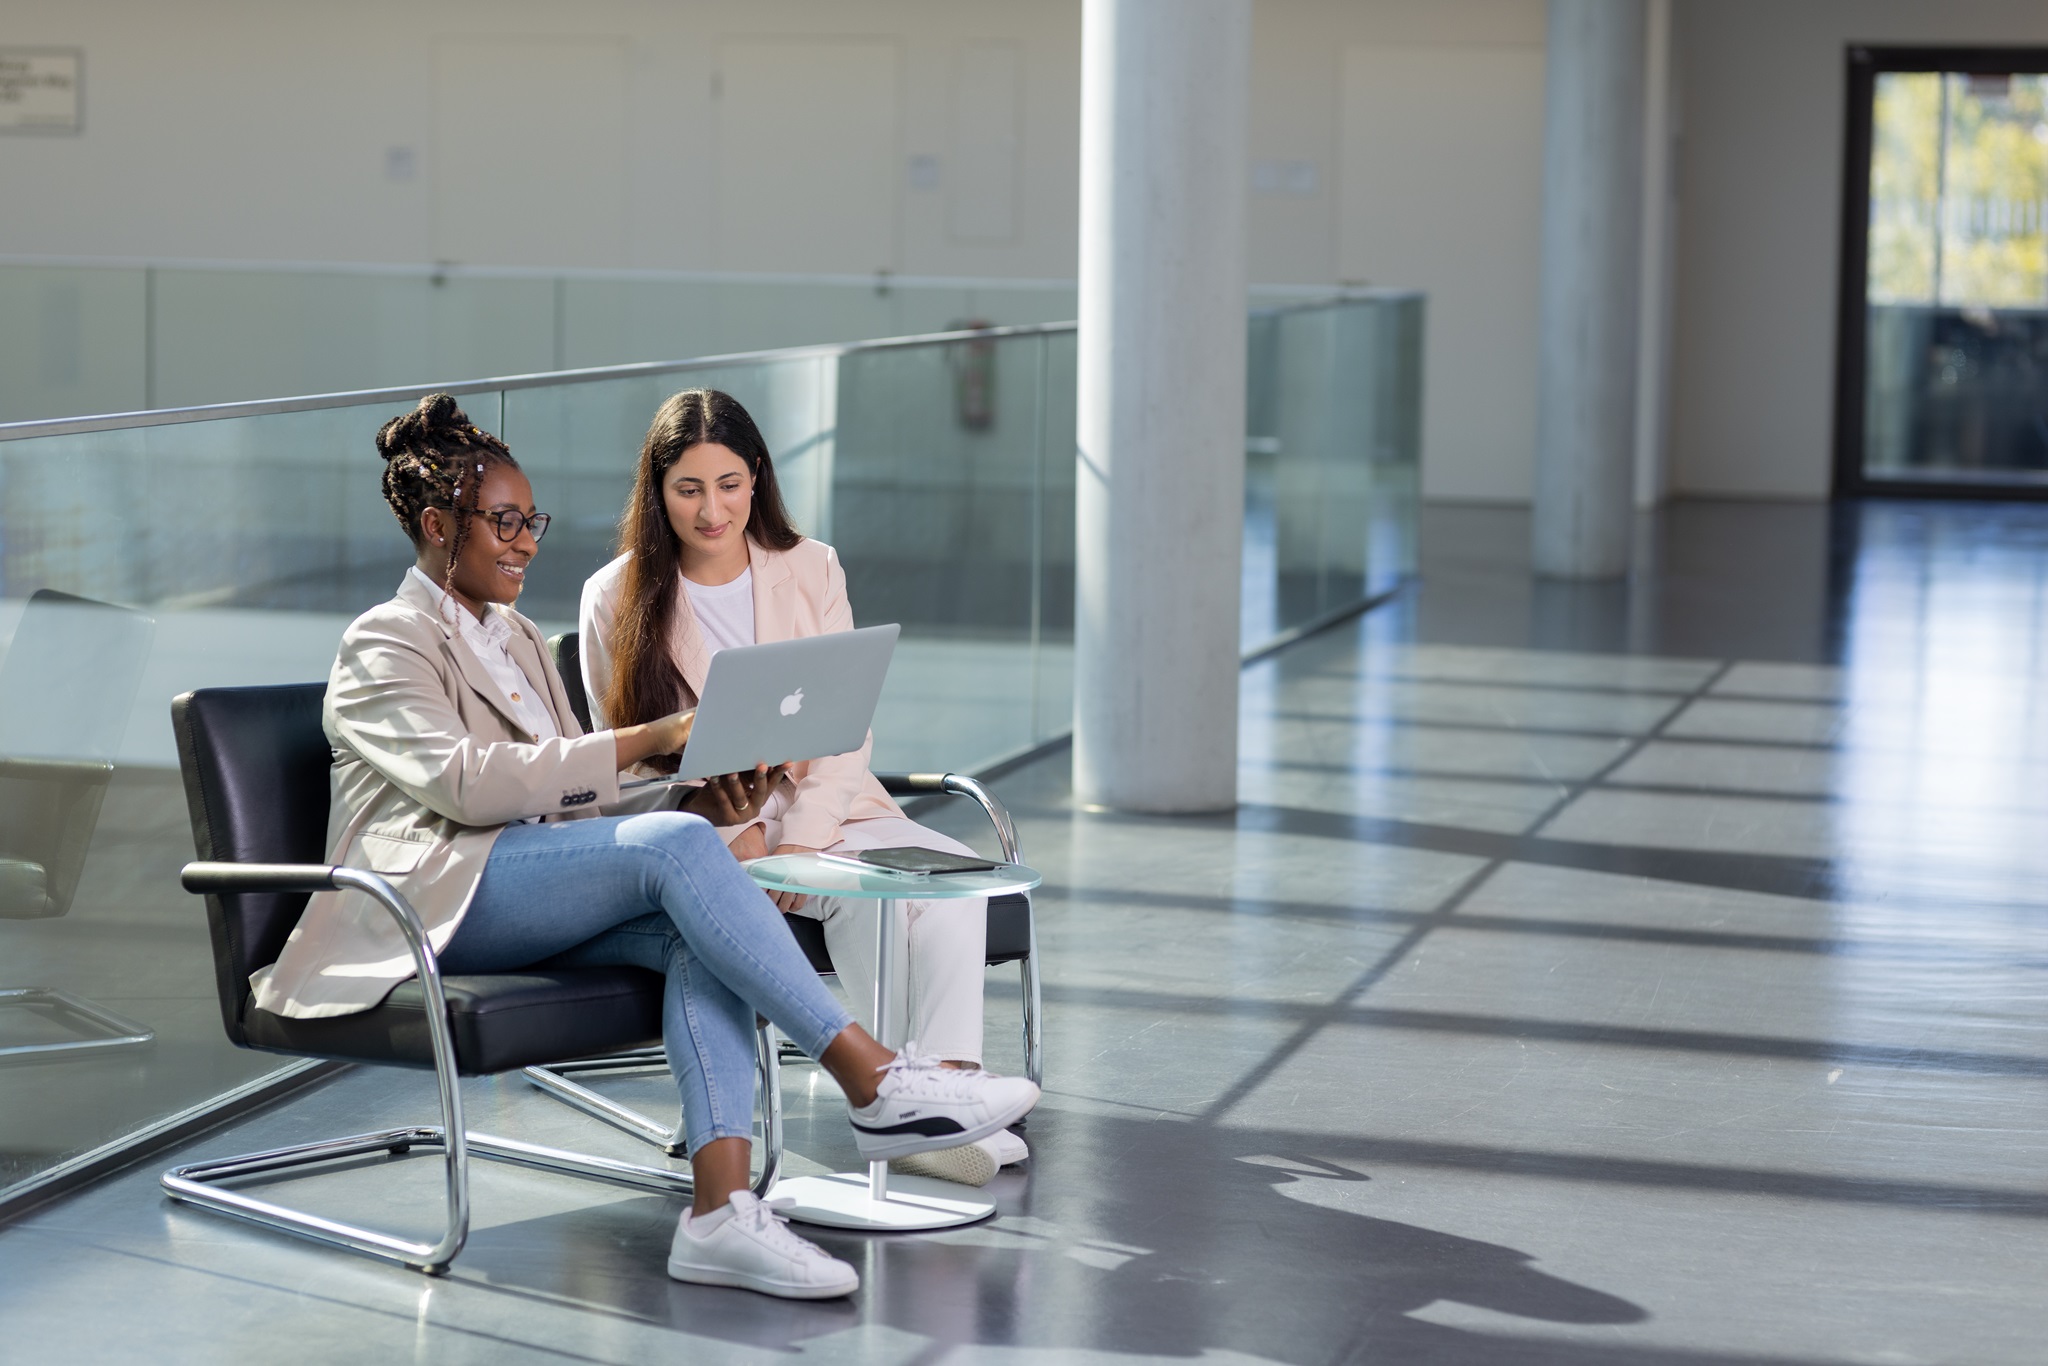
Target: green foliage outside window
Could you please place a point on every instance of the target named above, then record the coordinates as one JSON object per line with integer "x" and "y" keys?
{"x": 1959, "y": 190}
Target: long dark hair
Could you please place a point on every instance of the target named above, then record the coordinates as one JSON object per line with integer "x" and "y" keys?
{"x": 645, "y": 684}
{"x": 434, "y": 456}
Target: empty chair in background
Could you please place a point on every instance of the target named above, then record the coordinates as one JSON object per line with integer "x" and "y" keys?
{"x": 66, "y": 689}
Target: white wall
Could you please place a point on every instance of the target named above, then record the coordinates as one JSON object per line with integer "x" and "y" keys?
{"x": 1762, "y": 87}
{"x": 258, "y": 130}
{"x": 1423, "y": 120}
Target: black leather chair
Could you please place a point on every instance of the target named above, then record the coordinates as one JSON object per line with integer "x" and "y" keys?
{"x": 1012, "y": 936}
{"x": 73, "y": 661}
{"x": 255, "y": 764}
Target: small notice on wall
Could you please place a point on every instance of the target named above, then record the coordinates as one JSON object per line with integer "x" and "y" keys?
{"x": 41, "y": 89}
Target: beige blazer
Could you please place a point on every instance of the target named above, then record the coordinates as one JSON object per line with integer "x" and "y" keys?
{"x": 797, "y": 592}
{"x": 429, "y": 765}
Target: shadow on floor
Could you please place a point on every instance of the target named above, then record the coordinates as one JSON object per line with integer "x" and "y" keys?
{"x": 1072, "y": 1265}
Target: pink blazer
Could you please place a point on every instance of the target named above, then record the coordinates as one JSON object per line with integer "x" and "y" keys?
{"x": 797, "y": 592}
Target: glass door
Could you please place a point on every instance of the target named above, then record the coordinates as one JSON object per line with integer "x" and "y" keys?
{"x": 1943, "y": 351}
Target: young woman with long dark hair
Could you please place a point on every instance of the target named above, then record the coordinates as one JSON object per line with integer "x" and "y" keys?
{"x": 461, "y": 774}
{"x": 711, "y": 560}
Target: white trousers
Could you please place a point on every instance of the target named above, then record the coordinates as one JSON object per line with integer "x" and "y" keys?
{"x": 941, "y": 946}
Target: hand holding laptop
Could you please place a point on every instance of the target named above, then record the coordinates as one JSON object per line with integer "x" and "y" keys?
{"x": 730, "y": 798}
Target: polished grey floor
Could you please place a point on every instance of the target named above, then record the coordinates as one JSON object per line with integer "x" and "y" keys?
{"x": 1624, "y": 975}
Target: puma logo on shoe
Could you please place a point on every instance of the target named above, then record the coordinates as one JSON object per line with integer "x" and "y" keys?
{"x": 932, "y": 1126}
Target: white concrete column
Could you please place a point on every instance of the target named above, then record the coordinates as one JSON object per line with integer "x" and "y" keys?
{"x": 1592, "y": 212}
{"x": 1159, "y": 498}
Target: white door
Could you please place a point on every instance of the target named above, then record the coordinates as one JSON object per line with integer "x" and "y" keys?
{"x": 807, "y": 155}
{"x": 1442, "y": 189}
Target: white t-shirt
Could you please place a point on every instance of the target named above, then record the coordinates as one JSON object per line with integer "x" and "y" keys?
{"x": 725, "y": 612}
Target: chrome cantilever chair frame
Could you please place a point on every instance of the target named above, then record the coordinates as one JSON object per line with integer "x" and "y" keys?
{"x": 959, "y": 784}
{"x": 198, "y": 1183}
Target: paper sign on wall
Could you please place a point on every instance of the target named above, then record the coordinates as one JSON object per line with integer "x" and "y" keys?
{"x": 41, "y": 89}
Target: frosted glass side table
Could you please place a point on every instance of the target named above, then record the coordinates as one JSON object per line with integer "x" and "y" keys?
{"x": 874, "y": 1200}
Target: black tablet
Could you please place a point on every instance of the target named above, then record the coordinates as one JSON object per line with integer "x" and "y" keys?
{"x": 911, "y": 859}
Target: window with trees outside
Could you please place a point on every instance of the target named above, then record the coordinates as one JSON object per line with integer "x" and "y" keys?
{"x": 1944, "y": 329}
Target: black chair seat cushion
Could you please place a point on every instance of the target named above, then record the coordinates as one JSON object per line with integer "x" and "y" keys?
{"x": 500, "y": 1021}
{"x": 1009, "y": 933}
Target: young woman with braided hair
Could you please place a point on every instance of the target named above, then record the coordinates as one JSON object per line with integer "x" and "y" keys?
{"x": 462, "y": 776}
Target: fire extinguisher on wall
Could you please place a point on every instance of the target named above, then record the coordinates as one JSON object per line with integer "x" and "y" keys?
{"x": 974, "y": 376}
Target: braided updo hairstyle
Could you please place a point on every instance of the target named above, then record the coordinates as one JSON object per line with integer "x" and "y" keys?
{"x": 435, "y": 457}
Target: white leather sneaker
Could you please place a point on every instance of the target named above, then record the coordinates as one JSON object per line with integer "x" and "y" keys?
{"x": 921, "y": 1105}
{"x": 748, "y": 1245}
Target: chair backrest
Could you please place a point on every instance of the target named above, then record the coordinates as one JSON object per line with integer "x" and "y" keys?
{"x": 256, "y": 766}
{"x": 569, "y": 664}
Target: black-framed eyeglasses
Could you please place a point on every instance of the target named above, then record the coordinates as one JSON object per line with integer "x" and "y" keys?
{"x": 508, "y": 523}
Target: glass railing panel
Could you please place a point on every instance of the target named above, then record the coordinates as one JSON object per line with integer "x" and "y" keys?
{"x": 934, "y": 493}
{"x": 1053, "y": 662}
{"x": 1318, "y": 444}
{"x": 1259, "y": 600}
{"x": 1327, "y": 491}
{"x": 275, "y": 510}
{"x": 1390, "y": 554}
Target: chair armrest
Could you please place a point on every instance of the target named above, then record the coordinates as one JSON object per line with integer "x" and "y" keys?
{"x": 959, "y": 785}
{"x": 911, "y": 784}
{"x": 320, "y": 877}
{"x": 258, "y": 877}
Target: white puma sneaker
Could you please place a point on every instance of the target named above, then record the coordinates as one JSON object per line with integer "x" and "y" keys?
{"x": 749, "y": 1245}
{"x": 921, "y": 1106}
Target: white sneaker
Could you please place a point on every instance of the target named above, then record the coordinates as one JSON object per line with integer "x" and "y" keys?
{"x": 747, "y": 1244}
{"x": 921, "y": 1106}
{"x": 970, "y": 1164}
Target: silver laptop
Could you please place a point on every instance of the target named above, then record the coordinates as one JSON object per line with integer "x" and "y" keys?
{"x": 787, "y": 701}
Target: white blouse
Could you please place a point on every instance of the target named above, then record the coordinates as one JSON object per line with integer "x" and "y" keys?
{"x": 490, "y": 641}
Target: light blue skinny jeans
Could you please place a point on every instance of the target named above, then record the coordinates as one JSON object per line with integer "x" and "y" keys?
{"x": 656, "y": 891}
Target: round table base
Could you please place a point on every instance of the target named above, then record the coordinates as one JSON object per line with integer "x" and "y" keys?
{"x": 841, "y": 1200}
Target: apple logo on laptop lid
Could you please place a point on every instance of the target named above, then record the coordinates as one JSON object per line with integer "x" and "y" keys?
{"x": 793, "y": 703}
